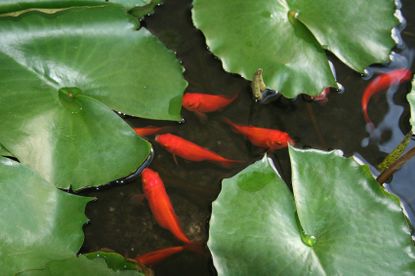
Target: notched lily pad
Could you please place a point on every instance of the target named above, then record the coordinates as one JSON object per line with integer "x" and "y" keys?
{"x": 339, "y": 221}
{"x": 54, "y": 68}
{"x": 411, "y": 99}
{"x": 288, "y": 38}
{"x": 38, "y": 222}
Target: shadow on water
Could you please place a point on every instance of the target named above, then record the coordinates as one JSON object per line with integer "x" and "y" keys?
{"x": 123, "y": 223}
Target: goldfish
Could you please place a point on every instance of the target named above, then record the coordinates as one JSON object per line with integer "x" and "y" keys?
{"x": 146, "y": 131}
{"x": 160, "y": 204}
{"x": 190, "y": 151}
{"x": 382, "y": 82}
{"x": 271, "y": 139}
{"x": 201, "y": 103}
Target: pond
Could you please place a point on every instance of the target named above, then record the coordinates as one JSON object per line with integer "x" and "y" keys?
{"x": 121, "y": 221}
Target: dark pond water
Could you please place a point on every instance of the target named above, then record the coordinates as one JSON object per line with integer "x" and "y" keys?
{"x": 121, "y": 222}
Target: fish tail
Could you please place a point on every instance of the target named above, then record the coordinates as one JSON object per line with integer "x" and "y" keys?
{"x": 229, "y": 122}
{"x": 229, "y": 162}
{"x": 196, "y": 247}
{"x": 158, "y": 255}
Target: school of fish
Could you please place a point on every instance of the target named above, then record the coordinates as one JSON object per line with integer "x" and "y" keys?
{"x": 266, "y": 138}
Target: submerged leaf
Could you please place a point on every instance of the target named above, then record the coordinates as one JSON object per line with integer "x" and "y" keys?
{"x": 8, "y": 6}
{"x": 411, "y": 100}
{"x": 339, "y": 221}
{"x": 81, "y": 266}
{"x": 38, "y": 222}
{"x": 114, "y": 260}
{"x": 54, "y": 68}
{"x": 288, "y": 38}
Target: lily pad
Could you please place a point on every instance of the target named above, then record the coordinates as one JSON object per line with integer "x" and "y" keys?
{"x": 38, "y": 222}
{"x": 80, "y": 266}
{"x": 288, "y": 38}
{"x": 339, "y": 221}
{"x": 7, "y": 6}
{"x": 411, "y": 100}
{"x": 54, "y": 68}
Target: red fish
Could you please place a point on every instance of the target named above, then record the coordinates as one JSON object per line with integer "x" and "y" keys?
{"x": 160, "y": 204}
{"x": 382, "y": 82}
{"x": 146, "y": 131}
{"x": 270, "y": 139}
{"x": 156, "y": 256}
{"x": 190, "y": 151}
{"x": 200, "y": 103}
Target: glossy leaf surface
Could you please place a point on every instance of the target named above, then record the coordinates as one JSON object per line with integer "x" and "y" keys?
{"x": 94, "y": 54}
{"x": 411, "y": 100}
{"x": 288, "y": 38}
{"x": 339, "y": 221}
{"x": 38, "y": 222}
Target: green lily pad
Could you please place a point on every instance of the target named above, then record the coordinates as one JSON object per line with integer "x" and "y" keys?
{"x": 7, "y": 6}
{"x": 288, "y": 38}
{"x": 38, "y": 222}
{"x": 90, "y": 54}
{"x": 411, "y": 100}
{"x": 80, "y": 266}
{"x": 339, "y": 221}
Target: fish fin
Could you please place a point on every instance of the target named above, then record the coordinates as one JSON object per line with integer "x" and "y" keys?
{"x": 156, "y": 256}
{"x": 138, "y": 198}
{"x": 196, "y": 247}
{"x": 228, "y": 162}
{"x": 202, "y": 116}
{"x": 175, "y": 159}
{"x": 230, "y": 123}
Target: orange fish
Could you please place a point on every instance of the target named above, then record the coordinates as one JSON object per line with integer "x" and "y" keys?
{"x": 146, "y": 131}
{"x": 160, "y": 204}
{"x": 200, "y": 103}
{"x": 270, "y": 139}
{"x": 156, "y": 256}
{"x": 382, "y": 82}
{"x": 190, "y": 151}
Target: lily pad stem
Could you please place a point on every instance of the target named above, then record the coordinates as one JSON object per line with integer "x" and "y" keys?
{"x": 395, "y": 166}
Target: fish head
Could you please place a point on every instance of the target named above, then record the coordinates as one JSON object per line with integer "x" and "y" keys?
{"x": 149, "y": 179}
{"x": 281, "y": 140}
{"x": 166, "y": 140}
{"x": 191, "y": 101}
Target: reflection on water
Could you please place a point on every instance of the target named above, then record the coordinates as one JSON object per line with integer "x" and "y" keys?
{"x": 122, "y": 222}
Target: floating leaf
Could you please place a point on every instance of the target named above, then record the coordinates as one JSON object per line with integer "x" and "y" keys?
{"x": 339, "y": 221}
{"x": 38, "y": 222}
{"x": 7, "y": 6}
{"x": 288, "y": 38}
{"x": 54, "y": 68}
{"x": 411, "y": 100}
{"x": 81, "y": 266}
